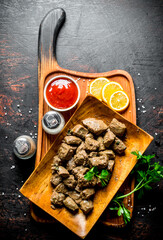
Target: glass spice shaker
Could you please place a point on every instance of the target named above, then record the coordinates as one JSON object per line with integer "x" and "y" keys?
{"x": 53, "y": 122}
{"x": 24, "y": 147}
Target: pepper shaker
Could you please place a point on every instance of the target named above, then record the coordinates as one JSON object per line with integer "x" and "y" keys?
{"x": 53, "y": 122}
{"x": 24, "y": 147}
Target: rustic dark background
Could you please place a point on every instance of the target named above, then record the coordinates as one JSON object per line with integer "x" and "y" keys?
{"x": 97, "y": 36}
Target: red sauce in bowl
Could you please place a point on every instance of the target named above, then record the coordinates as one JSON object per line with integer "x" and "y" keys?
{"x": 62, "y": 93}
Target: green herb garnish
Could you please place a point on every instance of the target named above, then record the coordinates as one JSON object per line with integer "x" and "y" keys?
{"x": 69, "y": 132}
{"x": 118, "y": 142}
{"x": 104, "y": 176}
{"x": 146, "y": 173}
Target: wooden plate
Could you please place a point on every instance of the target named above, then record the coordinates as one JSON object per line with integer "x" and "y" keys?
{"x": 38, "y": 187}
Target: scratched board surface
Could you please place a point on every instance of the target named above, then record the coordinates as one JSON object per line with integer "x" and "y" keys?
{"x": 96, "y": 38}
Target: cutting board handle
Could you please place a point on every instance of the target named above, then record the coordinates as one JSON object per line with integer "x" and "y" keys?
{"x": 48, "y": 32}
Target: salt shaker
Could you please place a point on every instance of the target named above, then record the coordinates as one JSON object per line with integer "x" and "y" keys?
{"x": 24, "y": 147}
{"x": 53, "y": 122}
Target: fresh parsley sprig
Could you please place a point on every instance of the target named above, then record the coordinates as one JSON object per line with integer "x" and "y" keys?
{"x": 104, "y": 176}
{"x": 145, "y": 174}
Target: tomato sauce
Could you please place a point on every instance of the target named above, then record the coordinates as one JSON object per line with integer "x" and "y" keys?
{"x": 62, "y": 93}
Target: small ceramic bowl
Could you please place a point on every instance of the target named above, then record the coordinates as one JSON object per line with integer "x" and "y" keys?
{"x": 67, "y": 78}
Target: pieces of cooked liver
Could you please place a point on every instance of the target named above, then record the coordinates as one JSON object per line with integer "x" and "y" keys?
{"x": 89, "y": 135}
{"x": 92, "y": 154}
{"x": 75, "y": 196}
{"x": 80, "y": 170}
{"x": 94, "y": 125}
{"x": 117, "y": 127}
{"x": 110, "y": 165}
{"x": 71, "y": 204}
{"x": 84, "y": 147}
{"x": 61, "y": 188}
{"x": 100, "y": 162}
{"x": 109, "y": 153}
{"x": 86, "y": 206}
{"x": 57, "y": 199}
{"x": 87, "y": 193}
{"x": 72, "y": 140}
{"x": 65, "y": 151}
{"x": 79, "y": 131}
{"x": 63, "y": 172}
{"x": 55, "y": 179}
{"x": 91, "y": 144}
{"x": 80, "y": 157}
{"x": 83, "y": 183}
{"x": 101, "y": 142}
{"x": 78, "y": 189}
{"x": 81, "y": 147}
{"x": 118, "y": 146}
{"x": 70, "y": 164}
{"x": 109, "y": 138}
{"x": 56, "y": 161}
{"x": 70, "y": 182}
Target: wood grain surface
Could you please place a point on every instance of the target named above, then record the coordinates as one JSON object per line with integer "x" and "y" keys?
{"x": 98, "y": 36}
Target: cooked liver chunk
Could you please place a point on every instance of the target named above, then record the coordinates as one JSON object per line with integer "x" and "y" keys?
{"x": 65, "y": 152}
{"x": 118, "y": 146}
{"x": 57, "y": 198}
{"x": 101, "y": 142}
{"x": 70, "y": 182}
{"x": 87, "y": 193}
{"x": 72, "y": 140}
{"x": 70, "y": 165}
{"x": 78, "y": 189}
{"x": 86, "y": 206}
{"x": 83, "y": 183}
{"x": 79, "y": 131}
{"x": 100, "y": 162}
{"x": 81, "y": 147}
{"x": 55, "y": 179}
{"x": 111, "y": 165}
{"x": 71, "y": 204}
{"x": 92, "y": 154}
{"x": 91, "y": 144}
{"x": 117, "y": 127}
{"x": 109, "y": 138}
{"x": 56, "y": 161}
{"x": 61, "y": 188}
{"x": 81, "y": 157}
{"x": 109, "y": 153}
{"x": 63, "y": 172}
{"x": 94, "y": 125}
{"x": 75, "y": 196}
{"x": 89, "y": 135}
{"x": 80, "y": 170}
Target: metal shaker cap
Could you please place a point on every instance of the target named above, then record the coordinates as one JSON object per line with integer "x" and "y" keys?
{"x": 24, "y": 147}
{"x": 53, "y": 122}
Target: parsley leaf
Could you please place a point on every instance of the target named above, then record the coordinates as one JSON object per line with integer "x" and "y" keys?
{"x": 104, "y": 175}
{"x": 89, "y": 175}
{"x": 146, "y": 173}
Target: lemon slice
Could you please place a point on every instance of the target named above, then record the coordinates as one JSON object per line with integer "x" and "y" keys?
{"x": 109, "y": 89}
{"x": 96, "y": 86}
{"x": 119, "y": 101}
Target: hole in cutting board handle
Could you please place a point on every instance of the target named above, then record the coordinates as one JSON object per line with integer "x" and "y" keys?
{"x": 48, "y": 32}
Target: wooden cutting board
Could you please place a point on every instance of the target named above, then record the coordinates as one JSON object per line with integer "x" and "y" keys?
{"x": 48, "y": 68}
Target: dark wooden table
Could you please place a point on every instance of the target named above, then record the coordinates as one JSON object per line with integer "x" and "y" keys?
{"x": 98, "y": 36}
